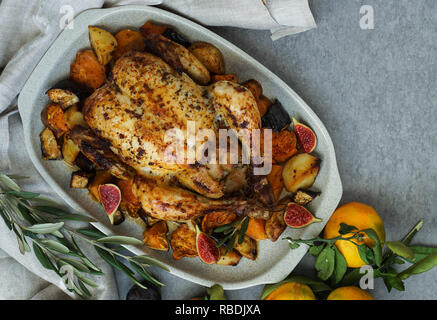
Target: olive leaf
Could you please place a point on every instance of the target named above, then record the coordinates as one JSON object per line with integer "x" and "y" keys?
{"x": 55, "y": 245}
{"x": 45, "y": 227}
{"x": 400, "y": 249}
{"x": 325, "y": 263}
{"x": 22, "y": 194}
{"x": 9, "y": 183}
{"x": 243, "y": 230}
{"x": 151, "y": 261}
{"x": 419, "y": 267}
{"x": 120, "y": 240}
{"x": 225, "y": 227}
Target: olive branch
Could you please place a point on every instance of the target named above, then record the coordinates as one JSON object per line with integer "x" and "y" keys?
{"x": 38, "y": 223}
{"x": 230, "y": 233}
{"x": 331, "y": 264}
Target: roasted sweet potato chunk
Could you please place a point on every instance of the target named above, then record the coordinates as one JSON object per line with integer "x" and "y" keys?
{"x": 283, "y": 145}
{"x": 129, "y": 40}
{"x": 183, "y": 242}
{"x": 49, "y": 146}
{"x": 129, "y": 202}
{"x": 151, "y": 28}
{"x": 276, "y": 181}
{"x": 262, "y": 101}
{"x": 87, "y": 70}
{"x": 215, "y": 219}
{"x": 155, "y": 237}
{"x": 256, "y": 229}
{"x": 53, "y": 117}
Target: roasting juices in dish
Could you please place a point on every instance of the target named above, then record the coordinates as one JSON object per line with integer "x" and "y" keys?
{"x": 156, "y": 131}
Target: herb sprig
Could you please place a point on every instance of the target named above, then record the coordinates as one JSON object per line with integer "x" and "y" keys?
{"x": 40, "y": 225}
{"x": 231, "y": 231}
{"x": 331, "y": 264}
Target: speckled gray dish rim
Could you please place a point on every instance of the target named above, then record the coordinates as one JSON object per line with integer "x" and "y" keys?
{"x": 275, "y": 260}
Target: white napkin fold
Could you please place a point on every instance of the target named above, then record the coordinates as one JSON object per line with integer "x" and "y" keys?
{"x": 28, "y": 28}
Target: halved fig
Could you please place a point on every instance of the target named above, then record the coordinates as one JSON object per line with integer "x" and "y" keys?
{"x": 296, "y": 216}
{"x": 110, "y": 198}
{"x": 206, "y": 248}
{"x": 306, "y": 136}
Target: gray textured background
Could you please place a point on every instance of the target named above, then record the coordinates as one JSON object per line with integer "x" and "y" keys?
{"x": 375, "y": 90}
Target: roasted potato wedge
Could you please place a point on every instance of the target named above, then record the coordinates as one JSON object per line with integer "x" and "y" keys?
{"x": 101, "y": 177}
{"x": 49, "y": 146}
{"x": 232, "y": 258}
{"x": 178, "y": 57}
{"x": 128, "y": 40}
{"x": 73, "y": 117}
{"x": 155, "y": 237}
{"x": 248, "y": 248}
{"x": 300, "y": 172}
{"x": 216, "y": 219}
{"x": 70, "y": 150}
{"x": 87, "y": 70}
{"x": 224, "y": 77}
{"x": 209, "y": 55}
{"x": 103, "y": 43}
{"x": 183, "y": 242}
{"x": 64, "y": 98}
{"x": 80, "y": 179}
{"x": 275, "y": 225}
{"x": 53, "y": 117}
{"x": 275, "y": 180}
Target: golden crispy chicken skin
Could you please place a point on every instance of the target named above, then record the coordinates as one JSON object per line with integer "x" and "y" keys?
{"x": 145, "y": 98}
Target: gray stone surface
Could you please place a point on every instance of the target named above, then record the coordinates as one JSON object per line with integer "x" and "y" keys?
{"x": 375, "y": 90}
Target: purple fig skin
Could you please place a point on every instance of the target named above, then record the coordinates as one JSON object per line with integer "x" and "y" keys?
{"x": 110, "y": 197}
{"x": 306, "y": 136}
{"x": 297, "y": 217}
{"x": 207, "y": 249}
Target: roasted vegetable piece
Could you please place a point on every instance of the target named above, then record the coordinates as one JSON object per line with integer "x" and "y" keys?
{"x": 304, "y": 197}
{"x": 275, "y": 180}
{"x": 128, "y": 40}
{"x": 102, "y": 177}
{"x": 87, "y": 70}
{"x": 84, "y": 163}
{"x": 178, "y": 57}
{"x": 275, "y": 225}
{"x": 224, "y": 77}
{"x": 49, "y": 146}
{"x": 175, "y": 36}
{"x": 129, "y": 202}
{"x": 73, "y": 117}
{"x": 283, "y": 145}
{"x": 276, "y": 118}
{"x": 232, "y": 258}
{"x": 151, "y": 28}
{"x": 53, "y": 117}
{"x": 183, "y": 242}
{"x": 209, "y": 55}
{"x": 80, "y": 179}
{"x": 248, "y": 248}
{"x": 103, "y": 43}
{"x": 64, "y": 98}
{"x": 155, "y": 237}
{"x": 256, "y": 229}
{"x": 262, "y": 101}
{"x": 215, "y": 219}
{"x": 300, "y": 172}
{"x": 70, "y": 150}
{"x": 81, "y": 91}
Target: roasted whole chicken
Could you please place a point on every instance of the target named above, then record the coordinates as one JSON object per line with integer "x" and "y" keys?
{"x": 129, "y": 117}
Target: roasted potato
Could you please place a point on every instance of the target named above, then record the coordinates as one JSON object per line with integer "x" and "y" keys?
{"x": 215, "y": 219}
{"x": 209, "y": 55}
{"x": 304, "y": 197}
{"x": 232, "y": 258}
{"x": 155, "y": 237}
{"x": 129, "y": 202}
{"x": 101, "y": 177}
{"x": 183, "y": 242}
{"x": 283, "y": 145}
{"x": 224, "y": 77}
{"x": 103, "y": 43}
{"x": 128, "y": 40}
{"x": 73, "y": 117}
{"x": 300, "y": 172}
{"x": 49, "y": 146}
{"x": 87, "y": 70}
{"x": 256, "y": 229}
{"x": 178, "y": 57}
{"x": 275, "y": 225}
{"x": 80, "y": 179}
{"x": 248, "y": 248}
{"x": 64, "y": 98}
{"x": 70, "y": 150}
{"x": 53, "y": 117}
{"x": 276, "y": 181}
